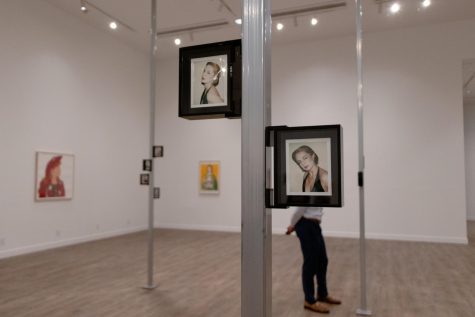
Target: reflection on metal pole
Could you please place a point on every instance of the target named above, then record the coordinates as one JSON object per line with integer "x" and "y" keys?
{"x": 153, "y": 50}
{"x": 363, "y": 310}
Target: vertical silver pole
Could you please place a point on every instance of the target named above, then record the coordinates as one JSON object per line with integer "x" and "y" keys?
{"x": 363, "y": 310}
{"x": 256, "y": 287}
{"x": 153, "y": 50}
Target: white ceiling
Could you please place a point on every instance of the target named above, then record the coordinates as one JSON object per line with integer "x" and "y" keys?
{"x": 174, "y": 14}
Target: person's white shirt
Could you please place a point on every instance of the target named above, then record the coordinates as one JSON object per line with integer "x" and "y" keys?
{"x": 306, "y": 212}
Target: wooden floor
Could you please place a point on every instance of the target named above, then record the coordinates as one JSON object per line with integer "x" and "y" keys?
{"x": 198, "y": 274}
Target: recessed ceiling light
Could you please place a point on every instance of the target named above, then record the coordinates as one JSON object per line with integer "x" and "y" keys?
{"x": 426, "y": 3}
{"x": 313, "y": 21}
{"x": 395, "y": 8}
{"x": 279, "y": 26}
{"x": 113, "y": 25}
{"x": 177, "y": 41}
{"x": 238, "y": 21}
{"x": 83, "y": 8}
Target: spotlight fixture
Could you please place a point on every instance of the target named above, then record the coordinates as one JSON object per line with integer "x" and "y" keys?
{"x": 426, "y": 3}
{"x": 177, "y": 41}
{"x": 395, "y": 8}
{"x": 313, "y": 21}
{"x": 83, "y": 6}
{"x": 238, "y": 21}
{"x": 113, "y": 25}
{"x": 279, "y": 26}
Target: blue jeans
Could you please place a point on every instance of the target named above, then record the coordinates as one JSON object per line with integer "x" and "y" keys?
{"x": 315, "y": 259}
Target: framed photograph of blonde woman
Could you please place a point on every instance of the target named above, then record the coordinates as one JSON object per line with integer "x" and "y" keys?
{"x": 210, "y": 80}
{"x": 306, "y": 166}
{"x": 209, "y": 83}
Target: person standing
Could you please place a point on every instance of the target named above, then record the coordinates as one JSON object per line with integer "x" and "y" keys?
{"x": 306, "y": 223}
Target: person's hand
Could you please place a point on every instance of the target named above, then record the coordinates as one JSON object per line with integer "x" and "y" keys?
{"x": 290, "y": 229}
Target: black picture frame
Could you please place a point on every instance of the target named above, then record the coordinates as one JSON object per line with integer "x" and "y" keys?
{"x": 147, "y": 165}
{"x": 156, "y": 192}
{"x": 144, "y": 179}
{"x": 158, "y": 151}
{"x": 293, "y": 159}
{"x": 227, "y": 81}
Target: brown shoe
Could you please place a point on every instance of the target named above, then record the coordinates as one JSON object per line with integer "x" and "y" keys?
{"x": 317, "y": 307}
{"x": 330, "y": 300}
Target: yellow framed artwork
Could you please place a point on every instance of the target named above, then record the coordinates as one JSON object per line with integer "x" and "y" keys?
{"x": 209, "y": 177}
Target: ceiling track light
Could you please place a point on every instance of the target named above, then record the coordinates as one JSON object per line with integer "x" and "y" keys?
{"x": 282, "y": 14}
{"x": 113, "y": 21}
{"x": 395, "y": 8}
{"x": 83, "y": 6}
{"x": 425, "y": 3}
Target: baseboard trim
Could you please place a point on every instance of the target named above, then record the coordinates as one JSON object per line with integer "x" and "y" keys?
{"x": 57, "y": 244}
{"x": 336, "y": 234}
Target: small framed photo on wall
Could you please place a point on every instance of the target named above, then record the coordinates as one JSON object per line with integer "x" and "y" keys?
{"x": 54, "y": 176}
{"x": 307, "y": 165}
{"x": 209, "y": 177}
{"x": 144, "y": 179}
{"x": 156, "y": 192}
{"x": 147, "y": 165}
{"x": 210, "y": 80}
{"x": 158, "y": 151}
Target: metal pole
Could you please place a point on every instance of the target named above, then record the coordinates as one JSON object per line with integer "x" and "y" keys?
{"x": 153, "y": 50}
{"x": 256, "y": 234}
{"x": 363, "y": 310}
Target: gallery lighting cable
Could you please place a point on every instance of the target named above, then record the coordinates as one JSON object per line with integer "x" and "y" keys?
{"x": 85, "y": 6}
{"x": 216, "y": 24}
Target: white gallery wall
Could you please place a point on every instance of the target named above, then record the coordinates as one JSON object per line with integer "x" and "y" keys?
{"x": 414, "y": 138}
{"x": 469, "y": 119}
{"x": 67, "y": 87}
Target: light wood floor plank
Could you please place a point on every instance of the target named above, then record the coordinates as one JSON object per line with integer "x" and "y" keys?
{"x": 198, "y": 274}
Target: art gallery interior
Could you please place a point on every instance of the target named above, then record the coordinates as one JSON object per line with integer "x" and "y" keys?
{"x": 71, "y": 84}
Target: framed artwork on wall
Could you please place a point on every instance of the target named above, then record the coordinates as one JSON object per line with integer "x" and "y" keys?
{"x": 307, "y": 166}
{"x": 54, "y": 176}
{"x": 210, "y": 80}
{"x": 209, "y": 177}
{"x": 144, "y": 179}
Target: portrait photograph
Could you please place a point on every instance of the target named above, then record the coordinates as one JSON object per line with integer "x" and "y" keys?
{"x": 308, "y": 167}
{"x": 156, "y": 192}
{"x": 158, "y": 151}
{"x": 144, "y": 179}
{"x": 209, "y": 82}
{"x": 209, "y": 172}
{"x": 54, "y": 176}
{"x": 147, "y": 165}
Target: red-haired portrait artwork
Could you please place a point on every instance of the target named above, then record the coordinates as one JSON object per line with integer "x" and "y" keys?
{"x": 52, "y": 169}
{"x": 51, "y": 185}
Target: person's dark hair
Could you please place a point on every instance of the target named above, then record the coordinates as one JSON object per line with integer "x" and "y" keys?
{"x": 307, "y": 149}
{"x": 217, "y": 71}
